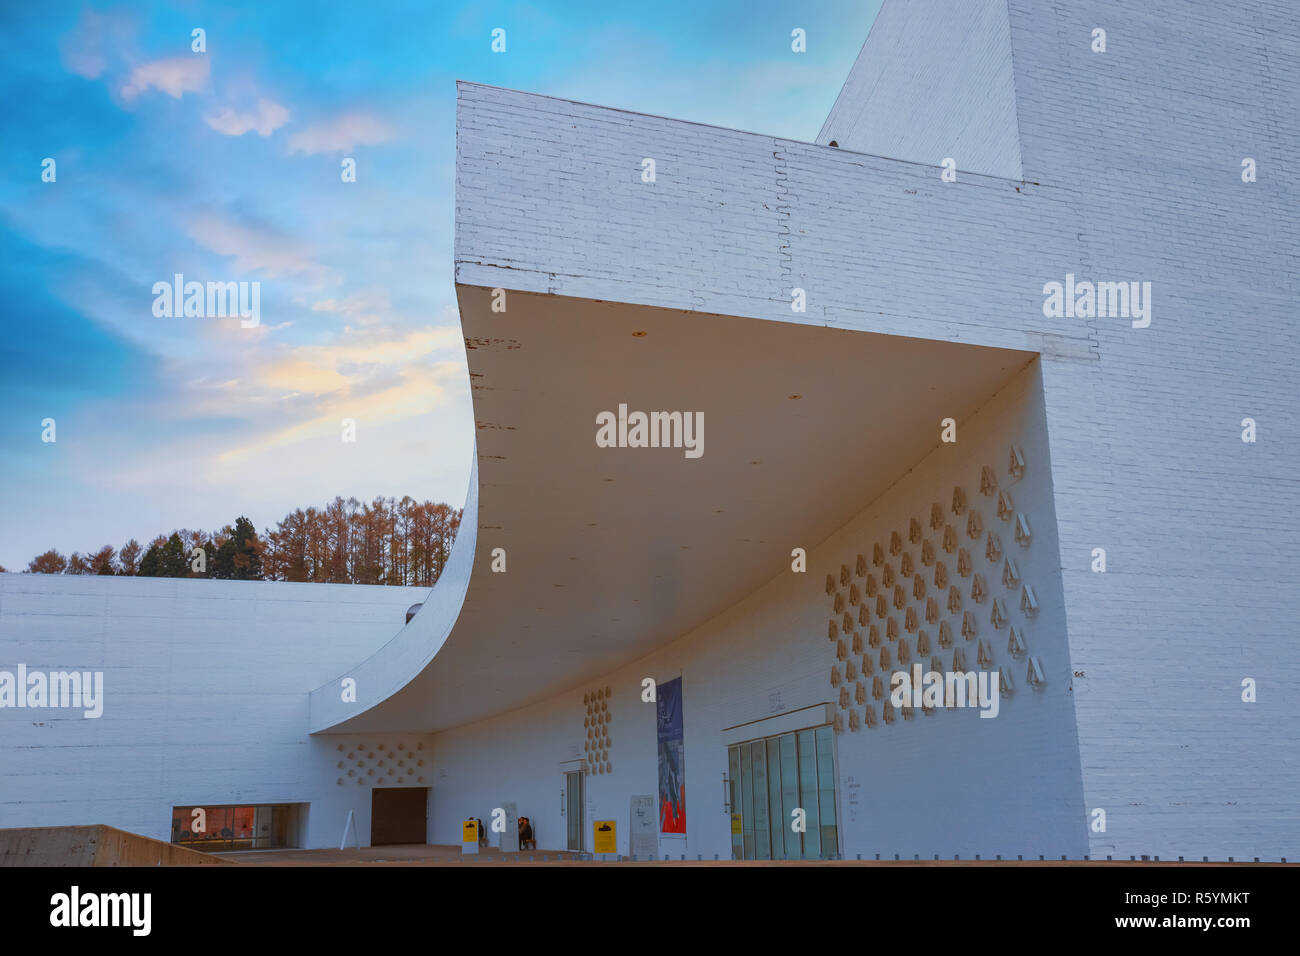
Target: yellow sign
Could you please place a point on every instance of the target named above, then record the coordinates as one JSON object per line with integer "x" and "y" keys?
{"x": 605, "y": 840}
{"x": 469, "y": 831}
{"x": 735, "y": 823}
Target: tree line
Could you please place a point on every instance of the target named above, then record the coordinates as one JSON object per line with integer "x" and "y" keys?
{"x": 385, "y": 541}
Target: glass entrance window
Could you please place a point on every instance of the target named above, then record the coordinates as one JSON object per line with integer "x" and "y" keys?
{"x": 775, "y": 816}
{"x": 746, "y": 800}
{"x": 573, "y": 809}
{"x": 769, "y": 780}
{"x": 789, "y": 789}
{"x": 812, "y": 840}
{"x": 762, "y": 825}
{"x": 733, "y": 774}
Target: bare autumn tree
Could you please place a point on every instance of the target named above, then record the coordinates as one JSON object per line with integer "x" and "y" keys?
{"x": 423, "y": 543}
{"x": 433, "y": 531}
{"x": 297, "y": 546}
{"x": 385, "y": 541}
{"x": 51, "y": 562}
{"x": 271, "y": 557}
{"x": 128, "y": 559}
{"x": 101, "y": 562}
{"x": 374, "y": 525}
{"x": 318, "y": 546}
{"x": 400, "y": 545}
{"x": 337, "y": 534}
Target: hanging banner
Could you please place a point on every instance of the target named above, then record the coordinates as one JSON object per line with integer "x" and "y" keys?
{"x": 672, "y": 768}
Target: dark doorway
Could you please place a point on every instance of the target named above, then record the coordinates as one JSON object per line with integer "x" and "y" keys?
{"x": 574, "y": 786}
{"x": 398, "y": 815}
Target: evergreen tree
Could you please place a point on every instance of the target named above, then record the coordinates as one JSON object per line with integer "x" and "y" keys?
{"x": 172, "y": 561}
{"x": 151, "y": 563}
{"x": 240, "y": 557}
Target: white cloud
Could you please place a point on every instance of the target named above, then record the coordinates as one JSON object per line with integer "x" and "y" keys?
{"x": 175, "y": 76}
{"x": 341, "y": 134}
{"x": 365, "y": 308}
{"x": 256, "y": 250}
{"x": 265, "y": 119}
{"x": 87, "y": 49}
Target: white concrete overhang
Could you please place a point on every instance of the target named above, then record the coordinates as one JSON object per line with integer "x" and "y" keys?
{"x": 924, "y": 299}
{"x": 612, "y": 552}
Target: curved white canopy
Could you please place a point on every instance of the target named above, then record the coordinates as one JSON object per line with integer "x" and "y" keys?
{"x": 611, "y": 552}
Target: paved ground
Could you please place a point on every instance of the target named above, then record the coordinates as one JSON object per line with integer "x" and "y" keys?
{"x": 415, "y": 854}
{"x": 418, "y": 854}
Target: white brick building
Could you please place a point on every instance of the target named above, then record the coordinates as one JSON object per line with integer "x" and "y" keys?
{"x": 924, "y": 301}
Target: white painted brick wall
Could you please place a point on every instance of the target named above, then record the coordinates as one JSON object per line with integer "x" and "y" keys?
{"x": 1199, "y": 529}
{"x": 1133, "y": 162}
{"x": 550, "y": 199}
{"x": 206, "y": 697}
{"x": 933, "y": 80}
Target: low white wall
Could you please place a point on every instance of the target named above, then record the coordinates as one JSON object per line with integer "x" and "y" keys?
{"x": 206, "y": 689}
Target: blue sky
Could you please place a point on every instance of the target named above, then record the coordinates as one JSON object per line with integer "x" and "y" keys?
{"x": 225, "y": 166}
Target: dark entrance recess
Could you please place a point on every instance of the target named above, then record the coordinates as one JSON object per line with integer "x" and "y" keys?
{"x": 398, "y": 815}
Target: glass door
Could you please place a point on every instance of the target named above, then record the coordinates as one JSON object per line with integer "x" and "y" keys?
{"x": 573, "y": 809}
{"x": 769, "y": 780}
{"x": 737, "y": 832}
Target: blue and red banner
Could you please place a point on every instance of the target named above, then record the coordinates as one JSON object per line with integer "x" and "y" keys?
{"x": 672, "y": 767}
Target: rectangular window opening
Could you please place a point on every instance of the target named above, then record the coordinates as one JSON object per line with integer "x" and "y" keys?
{"x": 770, "y": 780}
{"x": 221, "y": 828}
